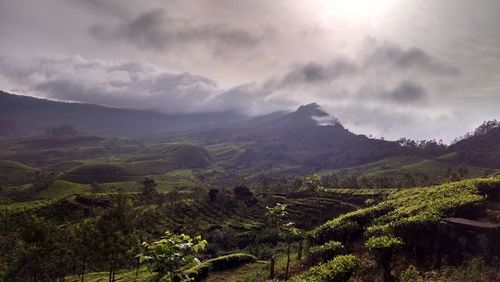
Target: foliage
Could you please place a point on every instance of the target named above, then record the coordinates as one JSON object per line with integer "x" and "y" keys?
{"x": 411, "y": 274}
{"x": 212, "y": 194}
{"x": 242, "y": 193}
{"x": 339, "y": 269}
{"x": 168, "y": 256}
{"x": 286, "y": 229}
{"x": 383, "y": 243}
{"x": 149, "y": 188}
{"x": 312, "y": 183}
{"x": 407, "y": 209}
{"x": 44, "y": 179}
{"x": 324, "y": 252}
{"x": 201, "y": 270}
{"x": 473, "y": 271}
{"x": 383, "y": 248}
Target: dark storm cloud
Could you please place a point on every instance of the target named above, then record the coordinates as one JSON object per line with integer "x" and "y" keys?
{"x": 407, "y": 93}
{"x": 404, "y": 59}
{"x": 313, "y": 72}
{"x": 385, "y": 58}
{"x": 403, "y": 93}
{"x": 155, "y": 30}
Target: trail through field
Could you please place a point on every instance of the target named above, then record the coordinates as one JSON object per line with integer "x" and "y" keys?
{"x": 254, "y": 272}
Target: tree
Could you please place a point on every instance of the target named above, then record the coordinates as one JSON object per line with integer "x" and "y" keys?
{"x": 330, "y": 181}
{"x": 149, "y": 187}
{"x": 286, "y": 229}
{"x": 212, "y": 194}
{"x": 312, "y": 183}
{"x": 168, "y": 256}
{"x": 44, "y": 179}
{"x": 82, "y": 242}
{"x": 96, "y": 188}
{"x": 350, "y": 182}
{"x": 364, "y": 182}
{"x": 115, "y": 232}
{"x": 244, "y": 194}
{"x": 383, "y": 249}
{"x": 408, "y": 181}
{"x": 463, "y": 172}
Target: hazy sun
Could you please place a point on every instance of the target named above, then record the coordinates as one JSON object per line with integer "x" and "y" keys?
{"x": 356, "y": 10}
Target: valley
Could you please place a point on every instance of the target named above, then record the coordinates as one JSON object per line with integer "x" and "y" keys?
{"x": 77, "y": 206}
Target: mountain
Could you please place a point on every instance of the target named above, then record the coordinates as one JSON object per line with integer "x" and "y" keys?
{"x": 303, "y": 141}
{"x": 482, "y": 148}
{"x": 25, "y": 116}
{"x": 282, "y": 143}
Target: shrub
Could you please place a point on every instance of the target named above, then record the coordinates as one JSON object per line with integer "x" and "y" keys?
{"x": 474, "y": 271}
{"x": 411, "y": 274}
{"x": 167, "y": 256}
{"x": 339, "y": 269}
{"x": 383, "y": 243}
{"x": 383, "y": 248}
{"x": 200, "y": 271}
{"x": 337, "y": 229}
{"x": 325, "y": 252}
{"x": 408, "y": 212}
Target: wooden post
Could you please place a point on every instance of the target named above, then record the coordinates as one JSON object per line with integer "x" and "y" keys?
{"x": 271, "y": 268}
{"x": 299, "y": 254}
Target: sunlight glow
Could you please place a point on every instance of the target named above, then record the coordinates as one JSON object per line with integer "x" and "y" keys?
{"x": 356, "y": 10}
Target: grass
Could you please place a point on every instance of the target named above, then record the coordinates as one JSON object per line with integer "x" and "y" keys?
{"x": 251, "y": 272}
{"x": 62, "y": 188}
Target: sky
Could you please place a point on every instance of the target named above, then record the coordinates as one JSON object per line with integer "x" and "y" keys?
{"x": 421, "y": 69}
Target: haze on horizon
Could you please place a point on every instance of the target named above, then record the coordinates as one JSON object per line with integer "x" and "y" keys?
{"x": 421, "y": 69}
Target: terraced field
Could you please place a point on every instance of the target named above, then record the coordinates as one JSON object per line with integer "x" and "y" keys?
{"x": 435, "y": 169}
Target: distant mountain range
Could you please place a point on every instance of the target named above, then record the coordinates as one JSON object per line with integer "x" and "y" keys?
{"x": 287, "y": 143}
{"x": 27, "y": 116}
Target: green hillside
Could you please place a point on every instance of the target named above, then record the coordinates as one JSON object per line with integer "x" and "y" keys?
{"x": 15, "y": 173}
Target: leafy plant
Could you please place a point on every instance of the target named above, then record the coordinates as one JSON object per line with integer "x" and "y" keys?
{"x": 383, "y": 248}
{"x": 324, "y": 252}
{"x": 286, "y": 229}
{"x": 168, "y": 256}
{"x": 411, "y": 274}
{"x": 339, "y": 269}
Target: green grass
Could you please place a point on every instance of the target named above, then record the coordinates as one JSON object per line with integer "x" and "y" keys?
{"x": 62, "y": 188}
{"x": 251, "y": 272}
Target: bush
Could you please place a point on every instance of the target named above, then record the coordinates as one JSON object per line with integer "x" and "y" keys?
{"x": 339, "y": 269}
{"x": 474, "y": 271}
{"x": 337, "y": 229}
{"x": 383, "y": 249}
{"x": 411, "y": 274}
{"x": 383, "y": 243}
{"x": 409, "y": 213}
{"x": 200, "y": 271}
{"x": 325, "y": 252}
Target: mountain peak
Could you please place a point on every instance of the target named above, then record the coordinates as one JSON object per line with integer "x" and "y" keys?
{"x": 310, "y": 110}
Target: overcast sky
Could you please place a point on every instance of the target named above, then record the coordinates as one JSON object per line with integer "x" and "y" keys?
{"x": 392, "y": 68}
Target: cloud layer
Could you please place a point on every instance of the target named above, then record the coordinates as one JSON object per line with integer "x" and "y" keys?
{"x": 132, "y": 84}
{"x": 420, "y": 69}
{"x": 154, "y": 29}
